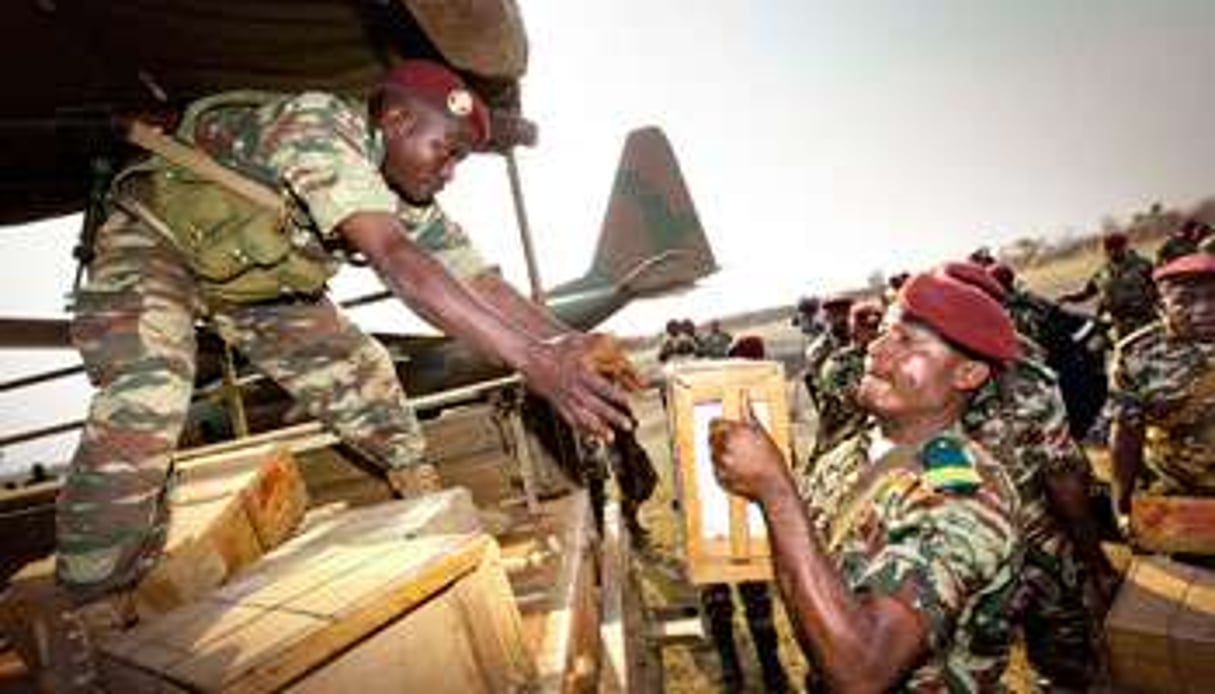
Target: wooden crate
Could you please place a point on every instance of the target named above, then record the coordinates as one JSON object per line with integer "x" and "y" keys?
{"x": 225, "y": 513}
{"x": 1161, "y": 628}
{"x": 402, "y": 596}
{"x": 724, "y": 538}
{"x": 1171, "y": 524}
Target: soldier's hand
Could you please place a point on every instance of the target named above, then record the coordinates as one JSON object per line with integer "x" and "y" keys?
{"x": 564, "y": 372}
{"x": 607, "y": 357}
{"x": 746, "y": 460}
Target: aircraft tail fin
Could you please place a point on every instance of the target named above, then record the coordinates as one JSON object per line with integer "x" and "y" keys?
{"x": 651, "y": 240}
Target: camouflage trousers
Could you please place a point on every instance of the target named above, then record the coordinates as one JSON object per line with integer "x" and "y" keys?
{"x": 134, "y": 327}
{"x": 1059, "y": 628}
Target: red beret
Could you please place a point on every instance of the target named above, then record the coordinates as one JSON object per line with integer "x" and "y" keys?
{"x": 1200, "y": 263}
{"x": 1003, "y": 274}
{"x": 961, "y": 314}
{"x": 976, "y": 276}
{"x": 1114, "y": 240}
{"x": 748, "y": 347}
{"x": 443, "y": 88}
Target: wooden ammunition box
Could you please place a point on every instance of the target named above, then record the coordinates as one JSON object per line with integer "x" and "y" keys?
{"x": 1161, "y": 628}
{"x": 1171, "y": 524}
{"x": 402, "y": 596}
{"x": 225, "y": 513}
{"x": 724, "y": 537}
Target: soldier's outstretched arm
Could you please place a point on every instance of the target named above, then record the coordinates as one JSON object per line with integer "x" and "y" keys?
{"x": 1126, "y": 454}
{"x": 605, "y": 355}
{"x": 557, "y": 369}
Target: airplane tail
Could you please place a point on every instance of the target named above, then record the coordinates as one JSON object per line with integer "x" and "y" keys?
{"x": 651, "y": 241}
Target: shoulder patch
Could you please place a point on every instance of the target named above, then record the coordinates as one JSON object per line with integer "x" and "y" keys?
{"x": 948, "y": 466}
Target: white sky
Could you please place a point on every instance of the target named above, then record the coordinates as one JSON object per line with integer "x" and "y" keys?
{"x": 821, "y": 141}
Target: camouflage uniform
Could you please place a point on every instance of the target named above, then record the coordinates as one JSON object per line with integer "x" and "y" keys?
{"x": 1169, "y": 385}
{"x": 714, "y": 345}
{"x": 1021, "y": 417}
{"x": 939, "y": 518}
{"x": 1127, "y": 293}
{"x": 835, "y": 393}
{"x": 1030, "y": 313}
{"x": 134, "y": 320}
{"x": 677, "y": 347}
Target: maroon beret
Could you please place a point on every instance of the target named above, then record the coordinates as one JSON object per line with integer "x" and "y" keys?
{"x": 1115, "y": 240}
{"x": 748, "y": 347}
{"x": 1003, "y": 274}
{"x": 976, "y": 276}
{"x": 444, "y": 89}
{"x": 1200, "y": 263}
{"x": 961, "y": 314}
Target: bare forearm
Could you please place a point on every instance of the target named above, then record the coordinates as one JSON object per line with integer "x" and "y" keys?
{"x": 842, "y": 636}
{"x": 1069, "y": 499}
{"x": 1126, "y": 454}
{"x": 533, "y": 318}
{"x": 426, "y": 287}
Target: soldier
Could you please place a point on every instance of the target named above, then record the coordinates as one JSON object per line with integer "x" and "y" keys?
{"x": 714, "y": 344}
{"x": 179, "y": 246}
{"x": 1021, "y": 417}
{"x": 1163, "y": 390}
{"x": 896, "y": 564}
{"x": 677, "y": 343}
{"x": 1123, "y": 285}
{"x": 1183, "y": 241}
{"x": 835, "y": 384}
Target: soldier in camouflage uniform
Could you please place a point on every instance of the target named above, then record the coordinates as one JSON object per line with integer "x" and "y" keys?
{"x": 1163, "y": 390}
{"x": 715, "y": 343}
{"x": 840, "y": 374}
{"x": 896, "y": 562}
{"x": 1185, "y": 240}
{"x": 1020, "y": 416}
{"x": 1123, "y": 285}
{"x": 178, "y": 247}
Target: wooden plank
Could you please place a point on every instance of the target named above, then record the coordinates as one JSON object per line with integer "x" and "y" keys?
{"x": 1192, "y": 633}
{"x": 326, "y": 594}
{"x": 222, "y": 517}
{"x": 1138, "y": 623}
{"x": 724, "y": 539}
{"x": 1170, "y": 524}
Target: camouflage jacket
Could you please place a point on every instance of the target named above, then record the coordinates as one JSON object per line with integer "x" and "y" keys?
{"x": 835, "y": 387}
{"x": 714, "y": 345}
{"x": 1168, "y": 384}
{"x": 1020, "y": 416}
{"x": 1127, "y": 293}
{"x": 934, "y": 525}
{"x": 324, "y": 155}
{"x": 677, "y": 347}
{"x": 1030, "y": 313}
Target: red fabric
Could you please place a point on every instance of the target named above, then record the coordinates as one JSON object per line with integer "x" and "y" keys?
{"x": 976, "y": 276}
{"x": 962, "y": 314}
{"x": 748, "y": 347}
{"x": 1193, "y": 264}
{"x": 436, "y": 84}
{"x": 1115, "y": 241}
{"x": 1003, "y": 274}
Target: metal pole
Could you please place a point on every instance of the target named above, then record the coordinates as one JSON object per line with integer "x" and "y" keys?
{"x": 525, "y": 230}
{"x": 231, "y": 390}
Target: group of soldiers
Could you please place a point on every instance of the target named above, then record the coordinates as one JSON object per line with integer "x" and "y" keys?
{"x": 945, "y": 504}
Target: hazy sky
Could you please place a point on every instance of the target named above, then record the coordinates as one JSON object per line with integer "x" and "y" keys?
{"x": 820, "y": 140}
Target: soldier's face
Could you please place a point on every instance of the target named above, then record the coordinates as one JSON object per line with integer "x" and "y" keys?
{"x": 910, "y": 371}
{"x": 1189, "y": 306}
{"x": 423, "y": 148}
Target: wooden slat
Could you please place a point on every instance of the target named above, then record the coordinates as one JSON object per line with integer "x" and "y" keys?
{"x": 1171, "y": 524}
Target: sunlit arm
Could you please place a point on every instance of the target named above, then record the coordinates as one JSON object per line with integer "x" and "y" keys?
{"x": 426, "y": 287}
{"x": 514, "y": 307}
{"x": 860, "y": 644}
{"x": 1126, "y": 454}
